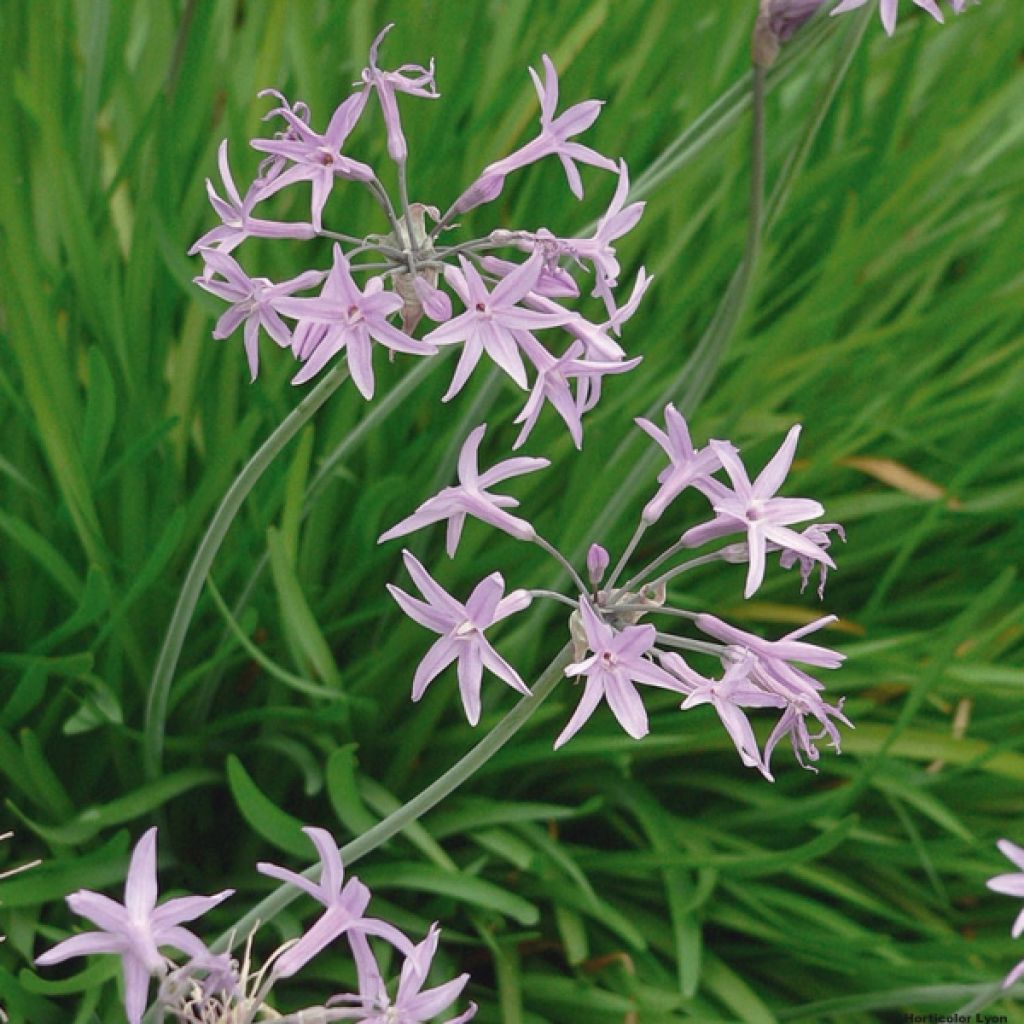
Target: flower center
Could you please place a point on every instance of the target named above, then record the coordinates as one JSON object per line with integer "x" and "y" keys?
{"x": 608, "y": 659}
{"x": 755, "y": 512}
{"x": 464, "y": 629}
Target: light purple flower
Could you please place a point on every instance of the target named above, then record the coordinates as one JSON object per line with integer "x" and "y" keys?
{"x": 887, "y": 9}
{"x": 687, "y": 466}
{"x": 255, "y": 302}
{"x": 471, "y": 497}
{"x": 552, "y": 384}
{"x": 753, "y": 508}
{"x": 236, "y": 215}
{"x": 617, "y": 662}
{"x": 1011, "y": 884}
{"x": 769, "y": 667}
{"x": 728, "y": 696}
{"x": 350, "y": 318}
{"x": 413, "y": 1004}
{"x": 598, "y": 249}
{"x": 315, "y": 158}
{"x": 136, "y": 929}
{"x": 462, "y": 632}
{"x": 345, "y": 907}
{"x": 553, "y": 140}
{"x": 412, "y": 79}
{"x": 493, "y": 322}
{"x": 597, "y": 563}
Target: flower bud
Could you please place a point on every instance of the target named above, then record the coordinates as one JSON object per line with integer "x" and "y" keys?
{"x": 777, "y": 23}
{"x": 597, "y": 563}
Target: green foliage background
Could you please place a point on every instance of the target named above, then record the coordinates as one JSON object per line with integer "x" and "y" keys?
{"x": 611, "y": 881}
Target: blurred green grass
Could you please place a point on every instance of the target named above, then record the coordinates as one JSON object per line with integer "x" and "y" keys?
{"x": 888, "y": 321}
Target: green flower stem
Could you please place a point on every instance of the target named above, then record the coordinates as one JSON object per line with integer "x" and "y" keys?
{"x": 188, "y": 597}
{"x": 626, "y": 555}
{"x": 419, "y": 805}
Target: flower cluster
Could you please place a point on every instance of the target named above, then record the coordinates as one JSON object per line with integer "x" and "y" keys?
{"x": 212, "y": 988}
{"x": 508, "y": 305}
{"x": 614, "y": 652}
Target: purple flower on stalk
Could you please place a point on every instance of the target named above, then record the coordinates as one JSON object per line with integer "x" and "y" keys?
{"x": 256, "y": 302}
{"x": 887, "y": 9}
{"x": 552, "y": 384}
{"x": 136, "y": 929}
{"x": 769, "y": 668}
{"x": 1011, "y": 884}
{"x": 753, "y": 507}
{"x": 412, "y": 79}
{"x": 555, "y": 133}
{"x": 345, "y": 907}
{"x": 598, "y": 249}
{"x": 413, "y": 1004}
{"x": 235, "y": 213}
{"x": 787, "y": 17}
{"x": 471, "y": 497}
{"x": 617, "y": 662}
{"x": 315, "y": 158}
{"x": 687, "y": 467}
{"x": 728, "y": 696}
{"x": 462, "y": 632}
{"x": 493, "y": 322}
{"x": 349, "y": 319}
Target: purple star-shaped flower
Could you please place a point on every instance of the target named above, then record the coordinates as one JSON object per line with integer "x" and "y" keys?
{"x": 471, "y": 497}
{"x": 345, "y": 906}
{"x": 887, "y": 9}
{"x": 617, "y": 662}
{"x": 493, "y": 322}
{"x": 235, "y": 213}
{"x": 462, "y": 632}
{"x": 1011, "y": 884}
{"x": 687, "y": 467}
{"x": 752, "y": 507}
{"x": 552, "y": 384}
{"x": 349, "y": 319}
{"x": 255, "y": 302}
{"x": 315, "y": 158}
{"x": 413, "y": 1004}
{"x": 555, "y": 133}
{"x": 136, "y": 929}
{"x": 412, "y": 79}
{"x": 769, "y": 667}
{"x": 728, "y": 696}
{"x": 618, "y": 219}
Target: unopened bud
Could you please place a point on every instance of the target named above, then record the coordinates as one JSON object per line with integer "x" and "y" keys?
{"x": 777, "y": 22}
{"x": 597, "y": 563}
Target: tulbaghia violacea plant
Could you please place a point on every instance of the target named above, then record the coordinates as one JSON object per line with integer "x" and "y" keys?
{"x": 616, "y": 655}
{"x": 214, "y": 988}
{"x": 511, "y": 284}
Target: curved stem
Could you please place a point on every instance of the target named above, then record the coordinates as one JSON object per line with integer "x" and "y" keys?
{"x": 685, "y": 567}
{"x": 562, "y": 561}
{"x": 427, "y": 799}
{"x": 553, "y": 595}
{"x": 188, "y": 597}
